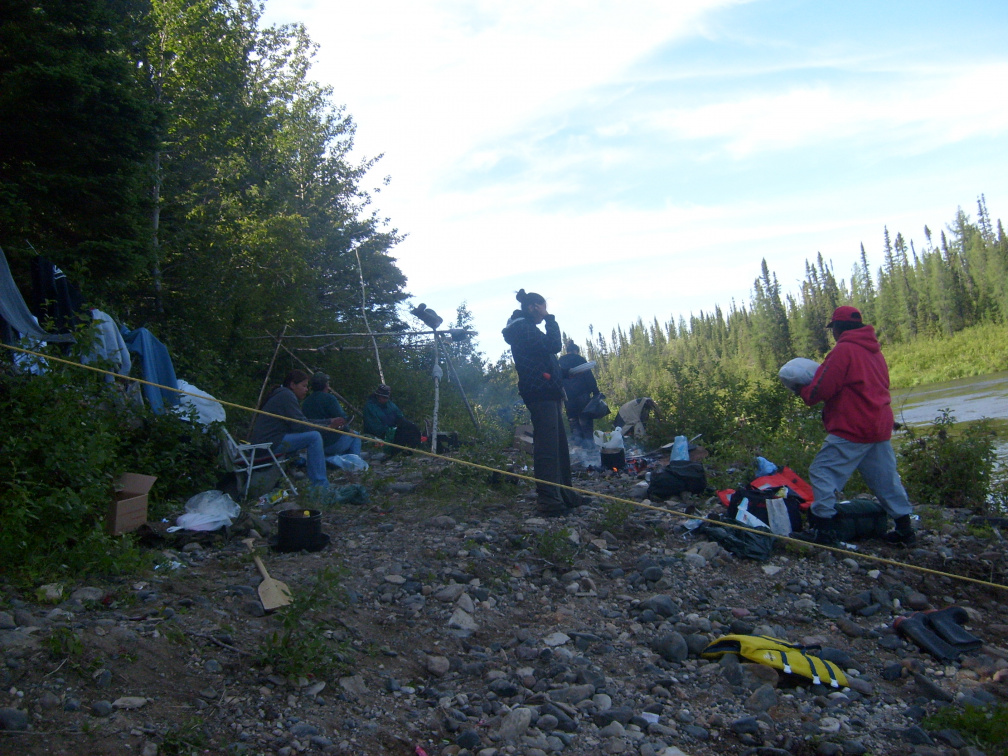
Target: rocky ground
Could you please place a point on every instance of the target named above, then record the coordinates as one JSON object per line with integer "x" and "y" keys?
{"x": 464, "y": 624}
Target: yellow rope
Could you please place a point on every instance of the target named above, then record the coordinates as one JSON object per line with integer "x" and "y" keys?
{"x": 528, "y": 478}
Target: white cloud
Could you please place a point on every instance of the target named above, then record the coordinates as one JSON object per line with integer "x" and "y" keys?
{"x": 477, "y": 95}
{"x": 921, "y": 108}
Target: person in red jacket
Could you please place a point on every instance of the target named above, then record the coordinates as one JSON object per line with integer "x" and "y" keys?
{"x": 853, "y": 383}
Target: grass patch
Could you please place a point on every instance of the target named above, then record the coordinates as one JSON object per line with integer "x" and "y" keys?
{"x": 985, "y": 726}
{"x": 187, "y": 738}
{"x": 936, "y": 360}
{"x": 615, "y": 514}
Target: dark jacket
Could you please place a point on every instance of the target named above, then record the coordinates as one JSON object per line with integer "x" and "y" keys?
{"x": 534, "y": 354}
{"x": 323, "y": 407}
{"x": 378, "y": 418}
{"x": 853, "y": 381}
{"x": 580, "y": 387}
{"x": 267, "y": 429}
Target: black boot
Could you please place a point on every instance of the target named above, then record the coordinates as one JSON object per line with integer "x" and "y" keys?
{"x": 821, "y": 530}
{"x": 903, "y": 534}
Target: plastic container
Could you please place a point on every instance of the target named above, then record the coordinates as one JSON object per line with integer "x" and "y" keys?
{"x": 300, "y": 530}
{"x": 613, "y": 459}
{"x": 680, "y": 449}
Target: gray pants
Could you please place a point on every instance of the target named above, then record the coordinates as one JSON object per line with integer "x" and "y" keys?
{"x": 550, "y": 455}
{"x": 836, "y": 462}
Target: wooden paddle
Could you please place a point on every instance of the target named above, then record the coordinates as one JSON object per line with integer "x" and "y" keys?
{"x": 272, "y": 593}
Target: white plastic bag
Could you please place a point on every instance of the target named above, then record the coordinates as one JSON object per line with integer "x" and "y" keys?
{"x": 206, "y": 408}
{"x": 348, "y": 462}
{"x": 748, "y": 518}
{"x": 780, "y": 522}
{"x": 613, "y": 440}
{"x": 209, "y": 510}
{"x": 797, "y": 372}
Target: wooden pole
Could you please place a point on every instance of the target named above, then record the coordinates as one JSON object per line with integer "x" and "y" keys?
{"x": 436, "y": 372}
{"x": 331, "y": 390}
{"x": 269, "y": 370}
{"x": 374, "y": 342}
{"x": 458, "y": 383}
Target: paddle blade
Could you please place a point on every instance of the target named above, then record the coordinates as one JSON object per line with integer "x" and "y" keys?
{"x": 274, "y": 594}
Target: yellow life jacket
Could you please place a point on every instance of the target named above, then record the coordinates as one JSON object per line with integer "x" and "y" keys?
{"x": 790, "y": 658}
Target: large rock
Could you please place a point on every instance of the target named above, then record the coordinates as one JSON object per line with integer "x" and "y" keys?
{"x": 515, "y": 724}
{"x": 671, "y": 647}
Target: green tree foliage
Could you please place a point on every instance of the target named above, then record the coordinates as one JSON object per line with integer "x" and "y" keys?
{"x": 177, "y": 160}
{"x": 76, "y": 127}
{"x": 715, "y": 372}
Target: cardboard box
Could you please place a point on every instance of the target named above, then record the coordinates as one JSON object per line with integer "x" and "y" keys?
{"x": 128, "y": 510}
{"x": 523, "y": 438}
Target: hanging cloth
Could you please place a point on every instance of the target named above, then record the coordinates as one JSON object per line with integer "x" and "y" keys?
{"x": 16, "y": 313}
{"x": 157, "y": 368}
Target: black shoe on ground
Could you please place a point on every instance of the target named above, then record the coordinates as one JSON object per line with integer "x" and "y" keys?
{"x": 820, "y": 531}
{"x": 552, "y": 508}
{"x": 903, "y": 534}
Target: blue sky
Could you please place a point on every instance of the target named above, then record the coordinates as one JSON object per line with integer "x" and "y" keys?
{"x": 639, "y": 159}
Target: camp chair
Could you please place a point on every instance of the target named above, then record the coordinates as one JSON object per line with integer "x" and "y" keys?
{"x": 247, "y": 458}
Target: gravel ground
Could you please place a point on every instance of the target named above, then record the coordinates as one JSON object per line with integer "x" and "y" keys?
{"x": 463, "y": 623}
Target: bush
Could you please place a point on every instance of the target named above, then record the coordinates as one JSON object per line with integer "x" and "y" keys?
{"x": 985, "y": 726}
{"x": 948, "y": 466}
{"x": 68, "y": 436}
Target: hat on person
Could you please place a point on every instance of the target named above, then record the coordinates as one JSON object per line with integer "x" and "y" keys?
{"x": 319, "y": 381}
{"x": 845, "y": 314}
{"x": 383, "y": 390}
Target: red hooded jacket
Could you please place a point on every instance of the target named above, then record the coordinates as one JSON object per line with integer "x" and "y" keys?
{"x": 853, "y": 381}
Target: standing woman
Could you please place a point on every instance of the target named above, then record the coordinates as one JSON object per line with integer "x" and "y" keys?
{"x": 539, "y": 384}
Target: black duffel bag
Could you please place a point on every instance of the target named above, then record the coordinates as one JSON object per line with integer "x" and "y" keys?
{"x": 675, "y": 478}
{"x": 758, "y": 497}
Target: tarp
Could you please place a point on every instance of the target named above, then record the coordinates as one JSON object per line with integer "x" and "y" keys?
{"x": 14, "y": 310}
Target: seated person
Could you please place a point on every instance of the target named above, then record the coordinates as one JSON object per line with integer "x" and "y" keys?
{"x": 288, "y": 435}
{"x": 321, "y": 404}
{"x": 382, "y": 418}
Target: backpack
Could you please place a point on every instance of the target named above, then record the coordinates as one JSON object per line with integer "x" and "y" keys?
{"x": 677, "y": 476}
{"x": 758, "y": 498}
{"x": 858, "y": 519}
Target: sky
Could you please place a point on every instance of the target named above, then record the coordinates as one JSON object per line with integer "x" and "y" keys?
{"x": 640, "y": 159}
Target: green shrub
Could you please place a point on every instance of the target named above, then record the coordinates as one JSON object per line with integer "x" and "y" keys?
{"x": 302, "y": 646}
{"x": 68, "y": 436}
{"x": 985, "y": 726}
{"x": 555, "y": 546}
{"x": 949, "y": 465}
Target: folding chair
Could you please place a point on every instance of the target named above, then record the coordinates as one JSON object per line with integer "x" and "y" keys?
{"x": 247, "y": 458}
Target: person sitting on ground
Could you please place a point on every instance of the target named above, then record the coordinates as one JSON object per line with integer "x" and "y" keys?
{"x": 291, "y": 431}
{"x": 323, "y": 405}
{"x": 383, "y": 419}
{"x": 853, "y": 381}
{"x": 580, "y": 388}
{"x": 633, "y": 415}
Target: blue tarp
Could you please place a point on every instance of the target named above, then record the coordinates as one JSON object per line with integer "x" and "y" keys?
{"x": 157, "y": 368}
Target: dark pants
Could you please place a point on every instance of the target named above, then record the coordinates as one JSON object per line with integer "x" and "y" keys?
{"x": 582, "y": 429}
{"x": 550, "y": 455}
